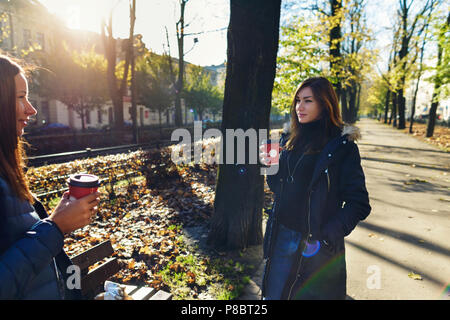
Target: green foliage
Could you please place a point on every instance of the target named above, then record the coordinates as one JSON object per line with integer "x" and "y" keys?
{"x": 376, "y": 95}
{"x": 305, "y": 51}
{"x": 441, "y": 75}
{"x": 154, "y": 83}
{"x": 299, "y": 58}
{"x": 199, "y": 93}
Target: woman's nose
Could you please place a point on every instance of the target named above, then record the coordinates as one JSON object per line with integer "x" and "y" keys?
{"x": 30, "y": 110}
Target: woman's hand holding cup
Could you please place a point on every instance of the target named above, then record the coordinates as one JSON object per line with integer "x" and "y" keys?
{"x": 263, "y": 155}
{"x": 269, "y": 153}
{"x": 70, "y": 215}
{"x": 79, "y": 205}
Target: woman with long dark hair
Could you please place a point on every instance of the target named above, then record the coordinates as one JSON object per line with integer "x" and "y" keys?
{"x": 320, "y": 196}
{"x": 33, "y": 264}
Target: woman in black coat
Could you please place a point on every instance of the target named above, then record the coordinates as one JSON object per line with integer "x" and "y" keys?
{"x": 33, "y": 264}
{"x": 320, "y": 196}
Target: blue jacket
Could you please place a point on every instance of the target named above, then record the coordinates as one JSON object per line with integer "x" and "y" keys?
{"x": 33, "y": 264}
{"x": 338, "y": 200}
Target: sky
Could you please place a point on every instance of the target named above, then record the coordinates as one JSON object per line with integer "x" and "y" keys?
{"x": 208, "y": 17}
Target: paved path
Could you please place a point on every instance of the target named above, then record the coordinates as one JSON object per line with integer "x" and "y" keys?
{"x": 407, "y": 234}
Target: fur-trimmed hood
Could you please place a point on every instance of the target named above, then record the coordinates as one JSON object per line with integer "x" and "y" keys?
{"x": 352, "y": 131}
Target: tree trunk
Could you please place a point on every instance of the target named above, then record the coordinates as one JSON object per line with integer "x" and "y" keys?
{"x": 432, "y": 116}
{"x": 179, "y": 85}
{"x": 160, "y": 122}
{"x": 116, "y": 93}
{"x": 401, "y": 105}
{"x": 344, "y": 106}
{"x": 83, "y": 119}
{"x": 393, "y": 118}
{"x": 335, "y": 48}
{"x": 386, "y": 105}
{"x": 352, "y": 95}
{"x": 358, "y": 99}
{"x": 413, "y": 106}
{"x": 133, "y": 72}
{"x": 252, "y": 50}
{"x": 406, "y": 36}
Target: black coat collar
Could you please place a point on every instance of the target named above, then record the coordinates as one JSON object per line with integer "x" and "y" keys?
{"x": 328, "y": 155}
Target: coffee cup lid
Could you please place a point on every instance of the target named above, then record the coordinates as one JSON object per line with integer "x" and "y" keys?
{"x": 84, "y": 180}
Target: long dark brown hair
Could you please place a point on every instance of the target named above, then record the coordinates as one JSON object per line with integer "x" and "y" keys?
{"x": 11, "y": 145}
{"x": 330, "y": 121}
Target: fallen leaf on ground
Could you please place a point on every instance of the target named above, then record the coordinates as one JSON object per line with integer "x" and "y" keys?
{"x": 414, "y": 276}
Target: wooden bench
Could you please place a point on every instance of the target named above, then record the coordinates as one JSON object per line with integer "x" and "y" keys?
{"x": 92, "y": 281}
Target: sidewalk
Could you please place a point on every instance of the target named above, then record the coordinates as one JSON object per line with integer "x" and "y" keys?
{"x": 406, "y": 237}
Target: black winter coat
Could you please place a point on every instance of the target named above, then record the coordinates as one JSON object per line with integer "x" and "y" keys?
{"x": 338, "y": 200}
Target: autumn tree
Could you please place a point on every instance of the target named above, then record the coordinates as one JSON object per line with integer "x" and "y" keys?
{"x": 299, "y": 58}
{"x": 419, "y": 71}
{"x": 251, "y": 61}
{"x": 77, "y": 79}
{"x": 330, "y": 39}
{"x": 376, "y": 95}
{"x": 154, "y": 83}
{"x": 116, "y": 87}
{"x": 357, "y": 58}
{"x": 411, "y": 27}
{"x": 442, "y": 76}
{"x": 344, "y": 26}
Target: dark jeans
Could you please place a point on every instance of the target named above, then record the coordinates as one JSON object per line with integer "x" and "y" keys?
{"x": 286, "y": 244}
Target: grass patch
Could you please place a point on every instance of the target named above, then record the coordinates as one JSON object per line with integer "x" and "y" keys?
{"x": 192, "y": 275}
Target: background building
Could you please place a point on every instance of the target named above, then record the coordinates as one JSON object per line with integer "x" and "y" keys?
{"x": 27, "y": 26}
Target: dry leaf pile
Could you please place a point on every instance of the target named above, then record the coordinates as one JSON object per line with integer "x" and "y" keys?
{"x": 109, "y": 168}
{"x": 440, "y": 138}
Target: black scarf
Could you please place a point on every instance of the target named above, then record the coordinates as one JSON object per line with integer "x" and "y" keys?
{"x": 309, "y": 133}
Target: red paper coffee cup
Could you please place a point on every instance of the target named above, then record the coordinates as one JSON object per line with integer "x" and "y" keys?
{"x": 273, "y": 151}
{"x": 82, "y": 184}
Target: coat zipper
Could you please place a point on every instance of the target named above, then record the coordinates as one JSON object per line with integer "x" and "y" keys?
{"x": 328, "y": 179}
{"x": 308, "y": 236}
{"x": 301, "y": 256}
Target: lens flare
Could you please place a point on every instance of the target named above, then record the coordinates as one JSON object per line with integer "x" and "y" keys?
{"x": 311, "y": 248}
{"x": 445, "y": 295}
